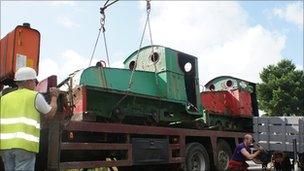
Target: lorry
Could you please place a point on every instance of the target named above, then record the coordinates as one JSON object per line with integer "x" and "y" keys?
{"x": 161, "y": 124}
{"x": 148, "y": 115}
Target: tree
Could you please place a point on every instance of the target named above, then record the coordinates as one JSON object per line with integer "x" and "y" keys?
{"x": 281, "y": 92}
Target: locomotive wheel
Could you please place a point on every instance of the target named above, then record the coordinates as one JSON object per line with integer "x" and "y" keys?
{"x": 197, "y": 158}
{"x": 153, "y": 119}
{"x": 301, "y": 161}
{"x": 156, "y": 117}
{"x": 219, "y": 125}
{"x": 224, "y": 154}
{"x": 118, "y": 114}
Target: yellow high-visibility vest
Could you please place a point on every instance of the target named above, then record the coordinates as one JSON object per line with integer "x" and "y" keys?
{"x": 20, "y": 121}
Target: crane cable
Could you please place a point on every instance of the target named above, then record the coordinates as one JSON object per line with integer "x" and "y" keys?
{"x": 148, "y": 21}
{"x": 102, "y": 27}
{"x": 148, "y": 9}
{"x": 96, "y": 42}
{"x": 152, "y": 56}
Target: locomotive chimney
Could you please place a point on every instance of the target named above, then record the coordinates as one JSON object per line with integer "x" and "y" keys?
{"x": 27, "y": 25}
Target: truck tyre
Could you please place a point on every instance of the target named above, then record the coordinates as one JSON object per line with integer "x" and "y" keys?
{"x": 301, "y": 161}
{"x": 197, "y": 158}
{"x": 224, "y": 154}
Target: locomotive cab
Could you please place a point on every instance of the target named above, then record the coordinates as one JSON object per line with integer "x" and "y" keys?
{"x": 176, "y": 71}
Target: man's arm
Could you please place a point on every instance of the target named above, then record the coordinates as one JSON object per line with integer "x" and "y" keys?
{"x": 248, "y": 155}
{"x": 53, "y": 104}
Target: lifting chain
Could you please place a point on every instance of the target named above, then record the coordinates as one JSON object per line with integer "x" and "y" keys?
{"x": 102, "y": 23}
{"x": 102, "y": 28}
{"x": 148, "y": 9}
{"x": 102, "y": 20}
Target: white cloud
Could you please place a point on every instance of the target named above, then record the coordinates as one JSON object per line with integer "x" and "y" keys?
{"x": 68, "y": 62}
{"x": 73, "y": 6}
{"x": 262, "y": 113}
{"x": 40, "y": 3}
{"x": 245, "y": 56}
{"x": 219, "y": 34}
{"x": 292, "y": 13}
{"x": 299, "y": 67}
{"x": 116, "y": 60}
{"x": 62, "y": 3}
{"x": 47, "y": 67}
{"x": 67, "y": 22}
{"x": 117, "y": 64}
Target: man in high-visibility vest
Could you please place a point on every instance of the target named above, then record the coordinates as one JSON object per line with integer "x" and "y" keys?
{"x": 20, "y": 121}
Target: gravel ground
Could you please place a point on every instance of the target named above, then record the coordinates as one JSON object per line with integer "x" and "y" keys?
{"x": 258, "y": 167}
{"x": 253, "y": 166}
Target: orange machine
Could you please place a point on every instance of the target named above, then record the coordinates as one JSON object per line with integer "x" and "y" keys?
{"x": 19, "y": 48}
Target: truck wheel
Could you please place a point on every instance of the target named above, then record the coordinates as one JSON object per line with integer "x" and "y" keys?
{"x": 118, "y": 114}
{"x": 301, "y": 161}
{"x": 223, "y": 155}
{"x": 197, "y": 158}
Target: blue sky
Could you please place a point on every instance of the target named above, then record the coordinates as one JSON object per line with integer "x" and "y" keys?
{"x": 259, "y": 14}
{"x": 229, "y": 38}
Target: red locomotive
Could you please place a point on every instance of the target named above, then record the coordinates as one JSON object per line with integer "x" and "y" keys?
{"x": 227, "y": 97}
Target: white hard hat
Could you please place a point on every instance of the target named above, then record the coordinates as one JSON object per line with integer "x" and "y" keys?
{"x": 25, "y": 73}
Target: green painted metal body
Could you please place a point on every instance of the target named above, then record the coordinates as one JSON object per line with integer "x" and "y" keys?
{"x": 169, "y": 71}
{"x": 134, "y": 108}
{"x": 143, "y": 84}
{"x": 159, "y": 89}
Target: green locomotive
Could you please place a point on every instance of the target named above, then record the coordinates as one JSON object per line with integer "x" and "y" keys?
{"x": 158, "y": 85}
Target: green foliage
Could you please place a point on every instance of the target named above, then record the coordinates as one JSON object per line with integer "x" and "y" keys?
{"x": 281, "y": 92}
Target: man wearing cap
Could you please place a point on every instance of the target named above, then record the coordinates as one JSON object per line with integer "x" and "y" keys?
{"x": 20, "y": 121}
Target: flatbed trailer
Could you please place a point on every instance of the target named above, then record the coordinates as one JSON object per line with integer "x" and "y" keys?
{"x": 283, "y": 134}
{"x": 76, "y": 145}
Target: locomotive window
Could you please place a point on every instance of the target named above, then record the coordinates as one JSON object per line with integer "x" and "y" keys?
{"x": 229, "y": 83}
{"x": 132, "y": 65}
{"x": 188, "y": 67}
{"x": 211, "y": 87}
{"x": 154, "y": 57}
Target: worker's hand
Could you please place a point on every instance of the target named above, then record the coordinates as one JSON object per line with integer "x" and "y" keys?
{"x": 260, "y": 148}
{"x": 54, "y": 92}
